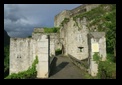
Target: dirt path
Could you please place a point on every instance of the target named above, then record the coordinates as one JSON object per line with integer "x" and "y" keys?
{"x": 65, "y": 69}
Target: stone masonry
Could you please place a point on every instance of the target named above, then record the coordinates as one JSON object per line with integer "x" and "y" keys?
{"x": 24, "y": 50}
{"x": 74, "y": 39}
{"x": 21, "y": 54}
{"x": 69, "y": 13}
{"x": 97, "y": 43}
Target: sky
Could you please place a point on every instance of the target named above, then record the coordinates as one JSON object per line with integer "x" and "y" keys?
{"x": 20, "y": 19}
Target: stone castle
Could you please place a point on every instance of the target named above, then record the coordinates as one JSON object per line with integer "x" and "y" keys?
{"x": 74, "y": 39}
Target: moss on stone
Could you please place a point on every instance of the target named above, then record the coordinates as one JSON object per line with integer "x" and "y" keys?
{"x": 65, "y": 21}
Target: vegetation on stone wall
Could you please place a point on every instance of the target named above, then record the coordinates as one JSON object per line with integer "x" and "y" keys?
{"x": 51, "y": 30}
{"x": 103, "y": 18}
{"x": 29, "y": 74}
{"x": 64, "y": 21}
{"x": 96, "y": 12}
{"x": 77, "y": 25}
{"x": 106, "y": 69}
{"x": 96, "y": 57}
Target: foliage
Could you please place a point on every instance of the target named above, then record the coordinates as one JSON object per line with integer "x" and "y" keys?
{"x": 86, "y": 75}
{"x": 104, "y": 17}
{"x": 6, "y": 53}
{"x": 77, "y": 25}
{"x": 6, "y": 39}
{"x": 29, "y": 74}
{"x": 51, "y": 30}
{"x": 96, "y": 57}
{"x": 107, "y": 70}
{"x": 6, "y": 59}
{"x": 64, "y": 21}
{"x": 110, "y": 57}
{"x": 111, "y": 32}
{"x": 58, "y": 51}
{"x": 30, "y": 36}
{"x": 96, "y": 12}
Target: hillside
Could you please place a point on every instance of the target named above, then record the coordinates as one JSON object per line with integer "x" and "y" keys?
{"x": 6, "y": 38}
{"x": 6, "y": 53}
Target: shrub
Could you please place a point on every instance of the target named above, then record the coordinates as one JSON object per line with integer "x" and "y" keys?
{"x": 58, "y": 51}
{"x": 29, "y": 36}
{"x": 107, "y": 70}
{"x": 104, "y": 18}
{"x": 66, "y": 20}
{"x": 6, "y": 61}
{"x": 51, "y": 30}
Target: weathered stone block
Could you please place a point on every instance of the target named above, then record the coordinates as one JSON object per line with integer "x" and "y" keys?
{"x": 43, "y": 70}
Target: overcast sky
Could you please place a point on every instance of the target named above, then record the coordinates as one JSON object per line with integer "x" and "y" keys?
{"x": 20, "y": 19}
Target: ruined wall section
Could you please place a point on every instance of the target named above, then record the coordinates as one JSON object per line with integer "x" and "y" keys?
{"x": 83, "y": 8}
{"x": 70, "y": 13}
{"x": 60, "y": 17}
{"x": 97, "y": 44}
{"x": 91, "y": 6}
{"x": 78, "y": 10}
{"x": 54, "y": 40}
{"x": 20, "y": 54}
{"x": 75, "y": 38}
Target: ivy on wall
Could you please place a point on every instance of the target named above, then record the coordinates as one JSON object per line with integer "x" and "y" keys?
{"x": 106, "y": 69}
{"x": 65, "y": 21}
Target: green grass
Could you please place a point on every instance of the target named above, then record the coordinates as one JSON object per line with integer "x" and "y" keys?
{"x": 51, "y": 30}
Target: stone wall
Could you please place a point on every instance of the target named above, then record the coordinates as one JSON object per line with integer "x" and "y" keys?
{"x": 60, "y": 17}
{"x": 97, "y": 43}
{"x": 42, "y": 51}
{"x": 79, "y": 9}
{"x": 24, "y": 50}
{"x": 69, "y": 13}
{"x": 75, "y": 39}
{"x": 91, "y": 6}
{"x": 53, "y": 40}
{"x": 78, "y": 41}
{"x": 20, "y": 54}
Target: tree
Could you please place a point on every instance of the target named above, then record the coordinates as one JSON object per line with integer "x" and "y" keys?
{"x": 111, "y": 32}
